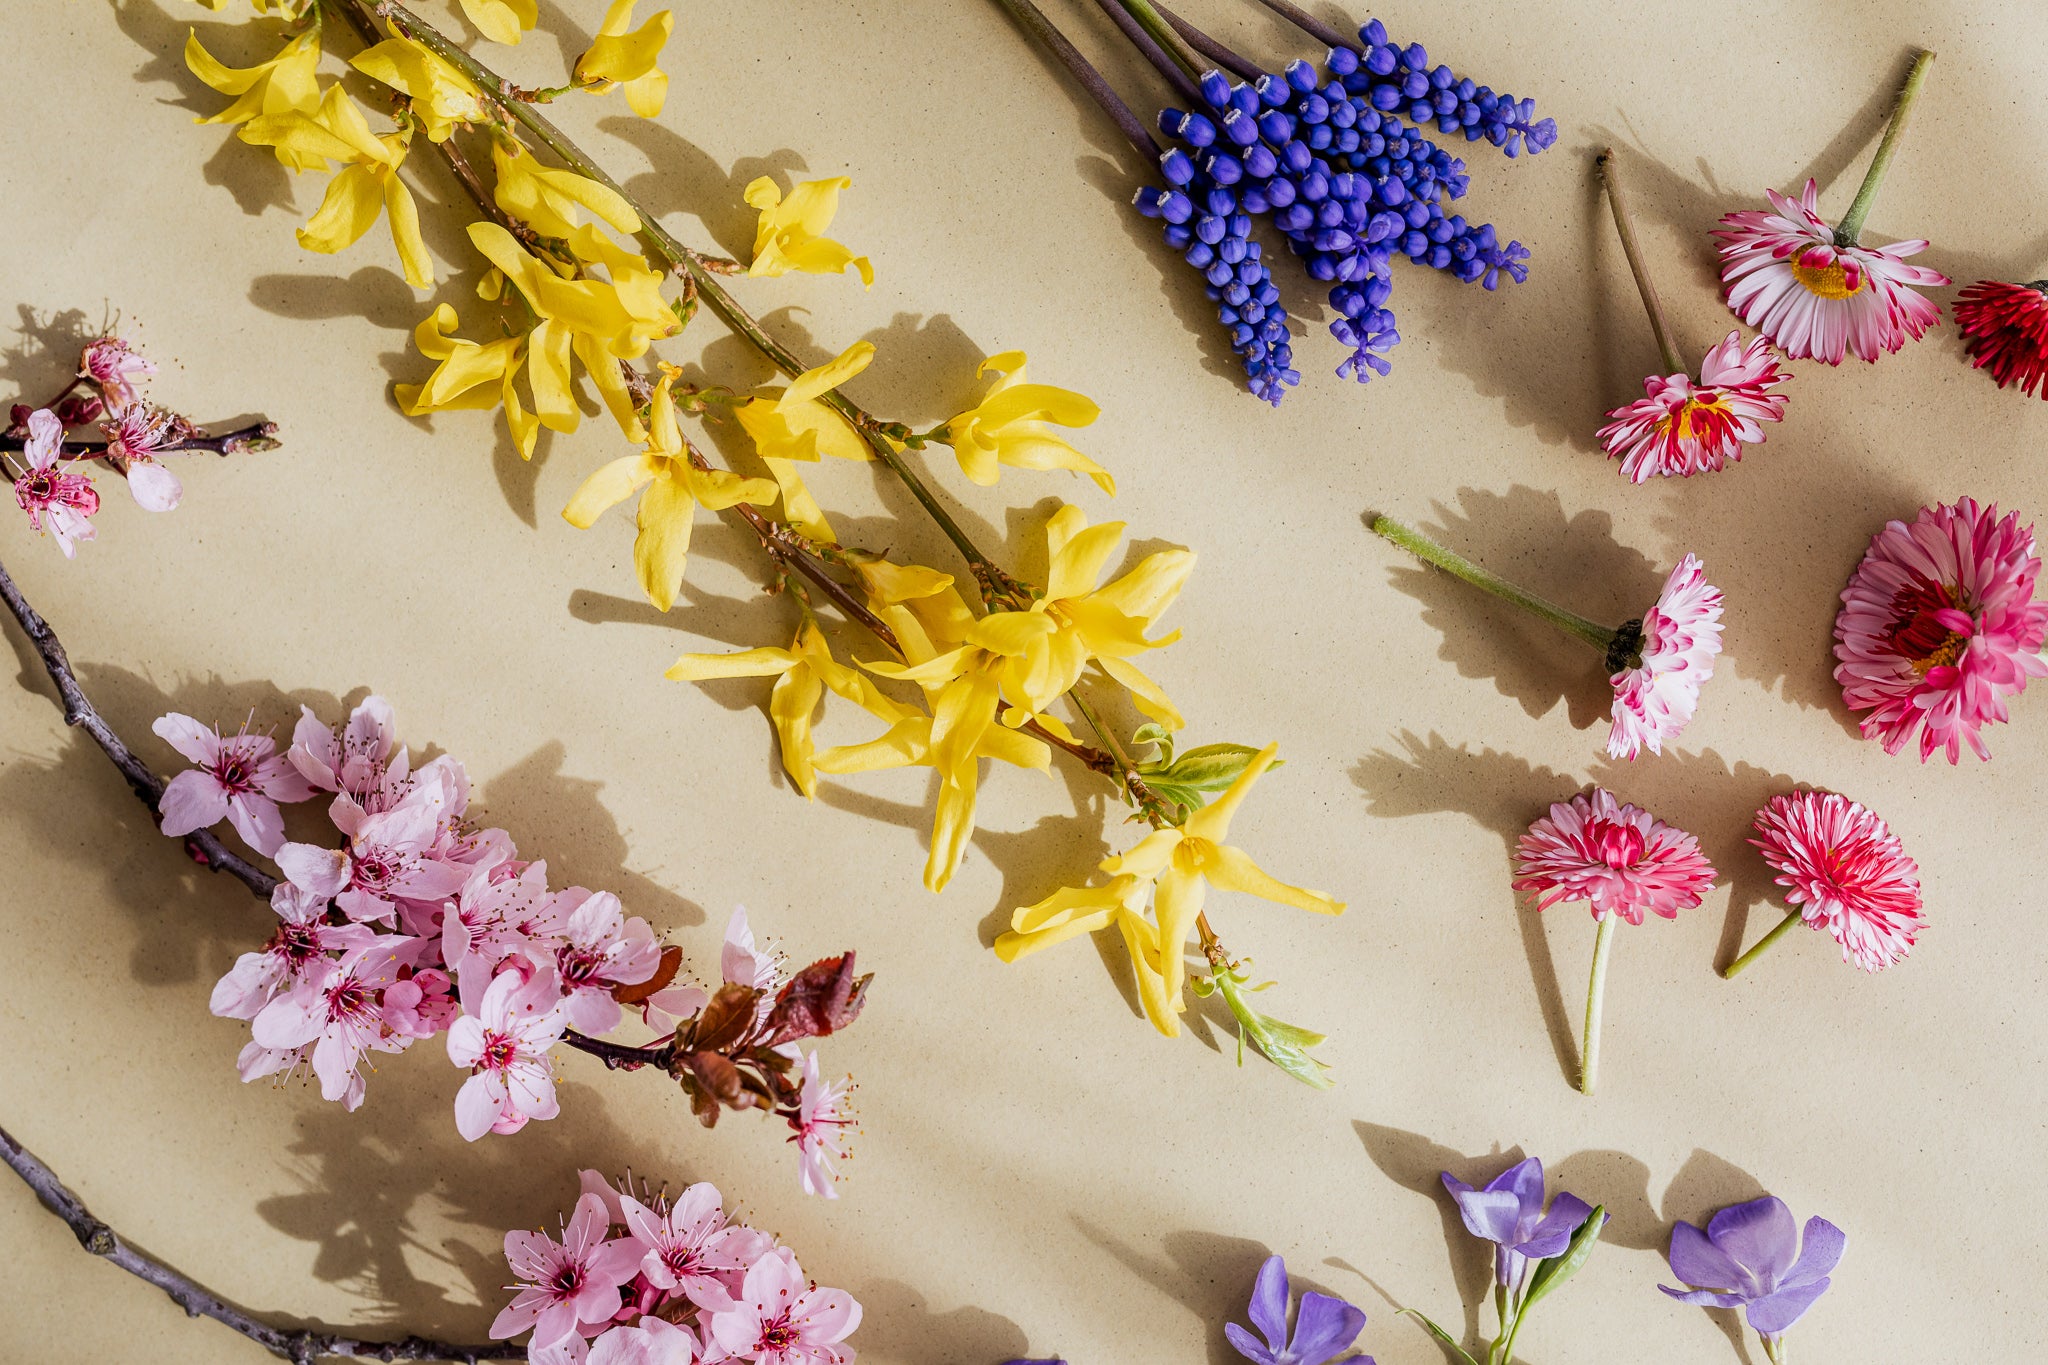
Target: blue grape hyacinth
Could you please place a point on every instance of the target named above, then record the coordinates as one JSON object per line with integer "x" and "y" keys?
{"x": 1338, "y": 162}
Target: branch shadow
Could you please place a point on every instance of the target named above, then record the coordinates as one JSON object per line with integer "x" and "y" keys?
{"x": 1525, "y": 536}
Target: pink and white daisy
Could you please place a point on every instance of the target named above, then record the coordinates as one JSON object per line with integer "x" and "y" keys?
{"x": 57, "y": 499}
{"x": 824, "y": 1113}
{"x": 1618, "y": 857}
{"x": 505, "y": 1041}
{"x": 340, "y": 1013}
{"x": 599, "y": 947}
{"x": 300, "y": 946}
{"x": 567, "y": 1284}
{"x": 1660, "y": 665}
{"x": 239, "y": 778}
{"x": 1846, "y": 872}
{"x": 134, "y": 439}
{"x": 1682, "y": 428}
{"x": 1789, "y": 278}
{"x": 113, "y": 368}
{"x": 689, "y": 1247}
{"x": 389, "y": 855}
{"x": 1939, "y": 626}
{"x": 779, "y": 1318}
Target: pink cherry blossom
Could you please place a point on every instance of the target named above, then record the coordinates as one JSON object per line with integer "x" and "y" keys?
{"x": 823, "y": 1114}
{"x": 599, "y": 947}
{"x": 740, "y": 961}
{"x": 133, "y": 440}
{"x": 485, "y": 916}
{"x": 1656, "y": 692}
{"x": 690, "y": 1248}
{"x": 239, "y": 778}
{"x": 358, "y": 760}
{"x": 341, "y": 1014}
{"x": 653, "y": 1342}
{"x": 566, "y": 1284}
{"x": 389, "y": 855}
{"x": 113, "y": 368}
{"x": 257, "y": 1061}
{"x": 421, "y": 1002}
{"x": 57, "y": 499}
{"x": 504, "y": 1041}
{"x": 780, "y": 1319}
{"x": 299, "y": 947}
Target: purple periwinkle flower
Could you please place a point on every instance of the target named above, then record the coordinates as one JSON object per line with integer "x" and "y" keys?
{"x": 1323, "y": 1327}
{"x": 1750, "y": 1257}
{"x": 1509, "y": 1213}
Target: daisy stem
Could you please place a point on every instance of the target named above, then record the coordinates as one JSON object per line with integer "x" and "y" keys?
{"x": 1422, "y": 547}
{"x": 1852, "y": 223}
{"x": 1596, "y": 996}
{"x": 1757, "y": 949}
{"x": 1624, "y": 223}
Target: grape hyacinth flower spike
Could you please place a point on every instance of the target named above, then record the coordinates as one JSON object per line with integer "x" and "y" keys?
{"x": 1817, "y": 292}
{"x": 1655, "y": 664}
{"x": 1682, "y": 426}
{"x": 1755, "y": 1257}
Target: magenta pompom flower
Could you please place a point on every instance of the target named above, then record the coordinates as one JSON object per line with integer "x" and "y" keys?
{"x": 1939, "y": 626}
{"x": 1683, "y": 428}
{"x": 2007, "y": 330}
{"x": 1844, "y": 871}
{"x": 1816, "y": 291}
{"x": 1623, "y": 861}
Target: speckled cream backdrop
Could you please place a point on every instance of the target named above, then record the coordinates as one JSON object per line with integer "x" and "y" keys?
{"x": 1039, "y": 1172}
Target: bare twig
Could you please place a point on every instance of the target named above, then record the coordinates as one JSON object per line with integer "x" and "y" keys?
{"x": 205, "y": 847}
{"x": 255, "y": 436}
{"x": 300, "y": 1345}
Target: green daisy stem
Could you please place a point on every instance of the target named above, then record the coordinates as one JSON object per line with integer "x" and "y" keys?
{"x": 1422, "y": 547}
{"x": 1596, "y": 999}
{"x": 1851, "y": 228}
{"x": 1624, "y": 223}
{"x": 1757, "y": 949}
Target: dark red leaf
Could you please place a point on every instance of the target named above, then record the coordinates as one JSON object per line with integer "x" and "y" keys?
{"x": 822, "y": 998}
{"x": 671, "y": 960}
{"x": 727, "y": 1019}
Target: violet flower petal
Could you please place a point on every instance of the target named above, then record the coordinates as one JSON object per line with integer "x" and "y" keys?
{"x": 1818, "y": 1255}
{"x": 1706, "y": 1298}
{"x": 1491, "y": 1215}
{"x": 1697, "y": 1261}
{"x": 1322, "y": 1327}
{"x": 1524, "y": 1180}
{"x": 1774, "y": 1313}
{"x": 1551, "y": 1236}
{"x": 1268, "y": 1310}
{"x": 1248, "y": 1345}
{"x": 1760, "y": 1235}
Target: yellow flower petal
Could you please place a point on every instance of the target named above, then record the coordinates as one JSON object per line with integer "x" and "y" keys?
{"x": 1232, "y": 869}
{"x": 746, "y": 663}
{"x": 351, "y": 206}
{"x": 814, "y": 383}
{"x": 1066, "y": 913}
{"x": 1176, "y": 899}
{"x": 791, "y": 703}
{"x": 1213, "y": 820}
{"x": 611, "y": 485}
{"x": 1141, "y": 941}
{"x": 662, "y": 549}
{"x": 502, "y": 20}
{"x": 1151, "y": 586}
{"x": 789, "y": 234}
{"x": 1149, "y": 696}
{"x": 799, "y": 508}
{"x": 442, "y": 97}
{"x": 413, "y": 259}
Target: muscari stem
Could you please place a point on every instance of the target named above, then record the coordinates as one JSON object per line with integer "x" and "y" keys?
{"x": 1422, "y": 547}
{"x": 1596, "y": 996}
{"x": 1241, "y": 67}
{"x": 1757, "y": 949}
{"x": 1175, "y": 73}
{"x": 1154, "y": 23}
{"x": 1033, "y": 21}
{"x": 1851, "y": 228}
{"x": 1307, "y": 23}
{"x": 1624, "y": 224}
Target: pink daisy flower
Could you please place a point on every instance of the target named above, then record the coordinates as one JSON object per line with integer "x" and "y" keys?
{"x": 1659, "y": 664}
{"x": 56, "y": 498}
{"x": 1846, "y": 872}
{"x": 1684, "y": 428}
{"x": 1939, "y": 626}
{"x": 1618, "y": 857}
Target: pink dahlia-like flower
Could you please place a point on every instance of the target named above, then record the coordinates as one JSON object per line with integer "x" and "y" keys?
{"x": 1788, "y": 279}
{"x": 778, "y": 1318}
{"x": 1939, "y": 625}
{"x": 1660, "y": 665}
{"x": 824, "y": 1112}
{"x": 1845, "y": 872}
{"x": 566, "y": 1284}
{"x": 1684, "y": 428}
{"x": 504, "y": 1042}
{"x": 133, "y": 440}
{"x": 57, "y": 499}
{"x": 2007, "y": 328}
{"x": 113, "y": 368}
{"x": 1619, "y": 857}
{"x": 238, "y": 778}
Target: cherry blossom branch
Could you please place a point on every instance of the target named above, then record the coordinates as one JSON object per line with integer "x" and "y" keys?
{"x": 301, "y": 1345}
{"x": 622, "y": 1056}
{"x": 205, "y": 847}
{"x": 254, "y": 437}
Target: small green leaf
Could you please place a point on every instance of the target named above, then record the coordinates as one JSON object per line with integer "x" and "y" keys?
{"x": 1284, "y": 1045}
{"x": 1450, "y": 1342}
{"x": 1210, "y": 767}
{"x": 1553, "y": 1271}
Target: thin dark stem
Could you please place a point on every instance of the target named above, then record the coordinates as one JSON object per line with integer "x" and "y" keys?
{"x": 1624, "y": 224}
{"x": 204, "y": 846}
{"x": 1176, "y": 75}
{"x": 1033, "y": 21}
{"x": 255, "y": 436}
{"x": 1308, "y": 23}
{"x": 299, "y": 1345}
{"x": 622, "y": 1056}
{"x": 1241, "y": 67}
{"x": 1162, "y": 33}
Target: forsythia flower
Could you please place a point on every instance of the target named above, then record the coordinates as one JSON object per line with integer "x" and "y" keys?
{"x": 1176, "y": 866}
{"x": 284, "y": 84}
{"x": 668, "y": 508}
{"x": 794, "y": 423}
{"x": 442, "y": 97}
{"x": 465, "y": 368}
{"x": 551, "y": 201}
{"x": 1047, "y": 647}
{"x": 502, "y": 21}
{"x": 617, "y": 57}
{"x": 1008, "y": 427}
{"x": 366, "y": 186}
{"x": 788, "y": 236}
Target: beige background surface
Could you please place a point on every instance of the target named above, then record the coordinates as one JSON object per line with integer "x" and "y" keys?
{"x": 1038, "y": 1170}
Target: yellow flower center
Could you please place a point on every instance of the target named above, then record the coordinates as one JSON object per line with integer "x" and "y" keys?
{"x": 1827, "y": 281}
{"x": 1695, "y": 415}
{"x": 1193, "y": 855}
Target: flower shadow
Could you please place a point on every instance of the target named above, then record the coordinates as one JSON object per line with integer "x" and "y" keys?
{"x": 1704, "y": 1185}
{"x": 900, "y": 1324}
{"x": 1208, "y": 1273}
{"x": 1525, "y": 536}
{"x": 682, "y": 177}
{"x": 47, "y": 355}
